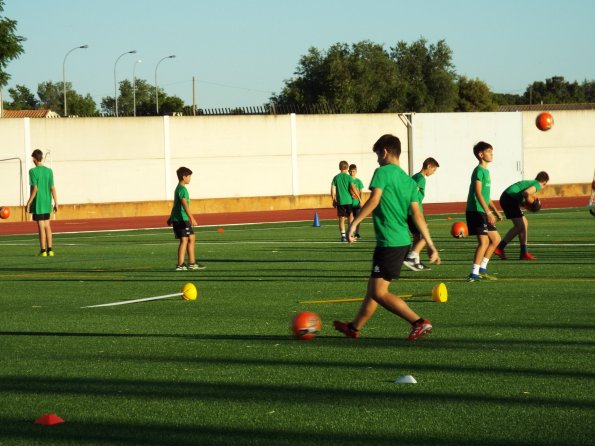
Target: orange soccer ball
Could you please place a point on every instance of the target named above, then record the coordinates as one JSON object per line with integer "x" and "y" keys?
{"x": 459, "y": 229}
{"x": 4, "y": 212}
{"x": 544, "y": 121}
{"x": 306, "y": 325}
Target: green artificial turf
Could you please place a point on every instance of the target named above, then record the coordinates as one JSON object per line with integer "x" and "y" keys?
{"x": 510, "y": 362}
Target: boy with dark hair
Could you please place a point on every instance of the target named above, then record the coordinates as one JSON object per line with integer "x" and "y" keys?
{"x": 357, "y": 198}
{"x": 521, "y": 192}
{"x": 412, "y": 261}
{"x": 480, "y": 220}
{"x": 41, "y": 180}
{"x": 342, "y": 188}
{"x": 393, "y": 193}
{"x": 182, "y": 220}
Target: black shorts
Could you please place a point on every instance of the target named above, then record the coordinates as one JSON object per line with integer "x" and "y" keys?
{"x": 412, "y": 228}
{"x": 182, "y": 229}
{"x": 477, "y": 223}
{"x": 344, "y": 210}
{"x": 510, "y": 206}
{"x": 41, "y": 217}
{"x": 386, "y": 263}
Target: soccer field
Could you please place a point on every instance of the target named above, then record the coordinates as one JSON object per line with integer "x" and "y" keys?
{"x": 510, "y": 362}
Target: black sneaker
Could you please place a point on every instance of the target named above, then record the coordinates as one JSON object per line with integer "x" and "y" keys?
{"x": 343, "y": 239}
{"x": 181, "y": 267}
{"x": 421, "y": 267}
{"x": 411, "y": 264}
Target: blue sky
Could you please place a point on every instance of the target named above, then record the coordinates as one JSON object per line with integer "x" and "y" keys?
{"x": 242, "y": 51}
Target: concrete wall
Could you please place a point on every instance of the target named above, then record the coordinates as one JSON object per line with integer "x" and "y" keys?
{"x": 284, "y": 157}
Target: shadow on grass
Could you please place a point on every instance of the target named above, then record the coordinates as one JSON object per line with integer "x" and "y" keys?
{"x": 387, "y": 394}
{"x": 85, "y": 432}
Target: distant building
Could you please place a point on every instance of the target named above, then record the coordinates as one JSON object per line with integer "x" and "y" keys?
{"x": 29, "y": 114}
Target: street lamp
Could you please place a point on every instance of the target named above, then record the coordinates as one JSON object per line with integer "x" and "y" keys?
{"x": 134, "y": 85}
{"x": 115, "y": 83}
{"x": 156, "y": 92}
{"x": 64, "y": 74}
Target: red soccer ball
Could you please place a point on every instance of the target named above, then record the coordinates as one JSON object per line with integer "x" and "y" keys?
{"x": 4, "y": 212}
{"x": 544, "y": 121}
{"x": 306, "y": 325}
{"x": 459, "y": 229}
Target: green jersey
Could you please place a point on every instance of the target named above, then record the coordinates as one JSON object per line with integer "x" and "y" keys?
{"x": 342, "y": 181}
{"x": 479, "y": 174}
{"x": 516, "y": 190}
{"x": 420, "y": 179}
{"x": 359, "y": 185}
{"x": 390, "y": 216}
{"x": 177, "y": 212}
{"x": 43, "y": 178}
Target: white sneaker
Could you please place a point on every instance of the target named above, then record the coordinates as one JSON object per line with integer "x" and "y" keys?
{"x": 411, "y": 264}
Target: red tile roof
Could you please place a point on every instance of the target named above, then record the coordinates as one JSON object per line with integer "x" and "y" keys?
{"x": 29, "y": 114}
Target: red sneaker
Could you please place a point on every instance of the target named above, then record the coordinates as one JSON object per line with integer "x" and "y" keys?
{"x": 500, "y": 253}
{"x": 346, "y": 329}
{"x": 420, "y": 329}
{"x": 528, "y": 256}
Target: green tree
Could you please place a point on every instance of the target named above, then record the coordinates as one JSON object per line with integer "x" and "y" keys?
{"x": 356, "y": 79}
{"x": 427, "y": 76}
{"x": 507, "y": 99}
{"x": 555, "y": 90}
{"x": 145, "y": 100}
{"x": 474, "y": 95}
{"x": 22, "y": 99}
{"x": 51, "y": 96}
{"x": 10, "y": 45}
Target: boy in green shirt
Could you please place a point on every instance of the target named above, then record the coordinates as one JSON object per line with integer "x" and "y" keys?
{"x": 182, "y": 220}
{"x": 480, "y": 220}
{"x": 393, "y": 193}
{"x": 342, "y": 188}
{"x": 510, "y": 201}
{"x": 41, "y": 180}
{"x": 412, "y": 261}
{"x": 356, "y": 205}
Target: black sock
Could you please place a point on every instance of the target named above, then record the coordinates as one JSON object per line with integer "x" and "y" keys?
{"x": 42, "y": 251}
{"x": 352, "y": 327}
{"x": 502, "y": 245}
{"x": 419, "y": 321}
{"x": 49, "y": 249}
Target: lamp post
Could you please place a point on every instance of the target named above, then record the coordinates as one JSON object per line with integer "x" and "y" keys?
{"x": 64, "y": 74}
{"x": 156, "y": 91}
{"x": 115, "y": 83}
{"x": 134, "y": 86}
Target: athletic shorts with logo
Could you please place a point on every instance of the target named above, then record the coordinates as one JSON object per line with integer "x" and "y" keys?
{"x": 387, "y": 261}
{"x": 182, "y": 229}
{"x": 478, "y": 224}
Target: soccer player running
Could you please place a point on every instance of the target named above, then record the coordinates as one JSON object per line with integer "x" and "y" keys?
{"x": 393, "y": 192}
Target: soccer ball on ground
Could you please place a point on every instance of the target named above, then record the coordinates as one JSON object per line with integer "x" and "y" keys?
{"x": 459, "y": 229}
{"x": 306, "y": 325}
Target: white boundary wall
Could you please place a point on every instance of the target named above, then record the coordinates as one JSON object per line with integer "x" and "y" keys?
{"x": 103, "y": 160}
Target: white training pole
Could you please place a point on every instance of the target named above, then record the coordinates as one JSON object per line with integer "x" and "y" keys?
{"x": 134, "y": 301}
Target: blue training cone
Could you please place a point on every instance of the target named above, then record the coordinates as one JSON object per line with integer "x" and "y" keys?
{"x": 316, "y": 222}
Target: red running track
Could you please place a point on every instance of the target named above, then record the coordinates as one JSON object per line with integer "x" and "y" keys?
{"x": 110, "y": 224}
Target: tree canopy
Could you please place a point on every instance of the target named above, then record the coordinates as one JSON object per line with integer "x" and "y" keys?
{"x": 144, "y": 93}
{"x": 11, "y": 45}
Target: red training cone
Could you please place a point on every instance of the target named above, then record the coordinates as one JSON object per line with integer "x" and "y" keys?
{"x": 49, "y": 419}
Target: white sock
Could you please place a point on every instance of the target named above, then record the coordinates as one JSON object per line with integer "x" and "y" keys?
{"x": 484, "y": 263}
{"x": 413, "y": 256}
{"x": 475, "y": 269}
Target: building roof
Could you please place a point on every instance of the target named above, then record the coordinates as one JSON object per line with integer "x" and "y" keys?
{"x": 29, "y": 114}
{"x": 546, "y": 107}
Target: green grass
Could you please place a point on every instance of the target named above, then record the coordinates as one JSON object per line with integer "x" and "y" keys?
{"x": 510, "y": 362}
